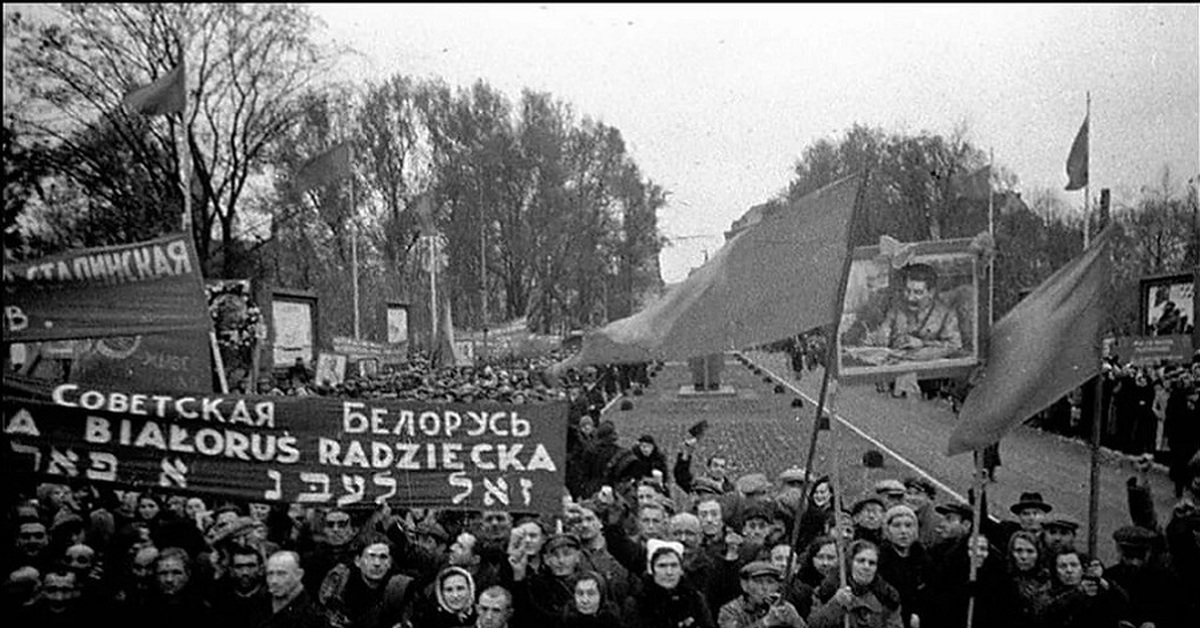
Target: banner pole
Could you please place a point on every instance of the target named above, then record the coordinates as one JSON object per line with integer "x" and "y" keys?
{"x": 830, "y": 360}
{"x": 218, "y": 362}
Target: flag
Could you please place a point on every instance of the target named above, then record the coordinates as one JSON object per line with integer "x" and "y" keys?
{"x": 974, "y": 186}
{"x": 424, "y": 209}
{"x": 774, "y": 279}
{"x": 167, "y": 94}
{"x": 445, "y": 350}
{"x": 325, "y": 168}
{"x": 1048, "y": 345}
{"x": 1077, "y": 161}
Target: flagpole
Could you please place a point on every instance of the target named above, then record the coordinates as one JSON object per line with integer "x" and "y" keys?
{"x": 354, "y": 251}
{"x": 830, "y": 357}
{"x": 1087, "y": 190}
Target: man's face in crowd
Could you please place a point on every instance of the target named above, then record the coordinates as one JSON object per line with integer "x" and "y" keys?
{"x": 651, "y": 522}
{"x": 755, "y": 530}
{"x": 646, "y": 495}
{"x": 1031, "y": 519}
{"x": 283, "y": 575}
{"x": 496, "y": 524}
{"x": 246, "y": 571}
{"x": 779, "y": 558}
{"x": 870, "y": 517}
{"x": 685, "y": 528}
{"x": 761, "y": 589}
{"x": 60, "y": 590}
{"x": 952, "y": 526}
{"x": 1058, "y": 538}
{"x": 718, "y": 467}
{"x": 172, "y": 576}
{"x": 32, "y": 538}
{"x": 710, "y": 517}
{"x": 462, "y": 551}
{"x": 586, "y": 525}
{"x": 297, "y": 514}
{"x": 260, "y": 512}
{"x": 79, "y": 558}
{"x": 646, "y": 448}
{"x": 916, "y": 498}
{"x": 142, "y": 568}
{"x": 493, "y": 610}
{"x": 374, "y": 562}
{"x": 338, "y": 529}
{"x": 918, "y": 294}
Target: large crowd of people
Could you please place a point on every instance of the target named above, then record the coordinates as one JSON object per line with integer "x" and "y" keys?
{"x": 646, "y": 538}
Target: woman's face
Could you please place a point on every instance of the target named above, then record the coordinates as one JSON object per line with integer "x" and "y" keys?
{"x": 587, "y": 597}
{"x": 194, "y": 507}
{"x": 902, "y": 531}
{"x": 821, "y": 494}
{"x": 1069, "y": 568}
{"x": 1024, "y": 555}
{"x": 456, "y": 592}
{"x": 864, "y": 565}
{"x": 147, "y": 509}
{"x": 667, "y": 570}
{"x": 825, "y": 559}
{"x": 779, "y": 558}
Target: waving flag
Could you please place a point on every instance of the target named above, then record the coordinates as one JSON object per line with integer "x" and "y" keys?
{"x": 1048, "y": 345}
{"x": 166, "y": 95}
{"x": 775, "y": 279}
{"x": 1077, "y": 161}
{"x": 325, "y": 168}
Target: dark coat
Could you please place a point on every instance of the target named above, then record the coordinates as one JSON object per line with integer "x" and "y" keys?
{"x": 656, "y": 607}
{"x": 301, "y": 612}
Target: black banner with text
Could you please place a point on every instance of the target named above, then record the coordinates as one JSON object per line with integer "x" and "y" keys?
{"x": 311, "y": 450}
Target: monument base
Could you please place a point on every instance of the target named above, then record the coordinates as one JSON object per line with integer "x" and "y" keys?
{"x": 690, "y": 391}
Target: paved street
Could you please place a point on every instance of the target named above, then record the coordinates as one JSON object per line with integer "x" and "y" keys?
{"x": 760, "y": 431}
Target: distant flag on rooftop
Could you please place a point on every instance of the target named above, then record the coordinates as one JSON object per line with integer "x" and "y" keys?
{"x": 975, "y": 186}
{"x": 326, "y": 168}
{"x": 1046, "y": 346}
{"x": 166, "y": 95}
{"x": 1077, "y": 161}
{"x": 775, "y": 279}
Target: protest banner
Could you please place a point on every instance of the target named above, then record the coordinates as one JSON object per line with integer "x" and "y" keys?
{"x": 152, "y": 287}
{"x": 311, "y": 450}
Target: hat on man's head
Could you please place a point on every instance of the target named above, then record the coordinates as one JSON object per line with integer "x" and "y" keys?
{"x": 890, "y": 487}
{"x": 709, "y": 485}
{"x": 1061, "y": 520}
{"x": 433, "y": 529}
{"x": 863, "y": 502}
{"x": 793, "y": 475}
{"x": 760, "y": 568}
{"x": 759, "y": 510}
{"x": 1134, "y": 536}
{"x": 753, "y": 484}
{"x": 560, "y": 540}
{"x": 964, "y": 512}
{"x": 1031, "y": 499}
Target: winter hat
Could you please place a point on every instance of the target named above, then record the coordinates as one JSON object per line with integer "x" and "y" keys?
{"x": 897, "y": 511}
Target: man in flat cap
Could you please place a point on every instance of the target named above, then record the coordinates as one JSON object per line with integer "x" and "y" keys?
{"x": 891, "y": 491}
{"x": 760, "y": 603}
{"x": 1059, "y": 532}
{"x": 868, "y": 518}
{"x": 1156, "y": 595}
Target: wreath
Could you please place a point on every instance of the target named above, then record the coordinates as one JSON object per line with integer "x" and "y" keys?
{"x": 234, "y": 315}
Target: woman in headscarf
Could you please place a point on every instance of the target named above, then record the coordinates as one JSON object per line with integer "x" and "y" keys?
{"x": 592, "y": 607}
{"x": 666, "y": 600}
{"x": 454, "y": 591}
{"x": 867, "y": 599}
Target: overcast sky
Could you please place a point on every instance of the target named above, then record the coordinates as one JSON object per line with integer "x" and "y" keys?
{"x": 716, "y": 102}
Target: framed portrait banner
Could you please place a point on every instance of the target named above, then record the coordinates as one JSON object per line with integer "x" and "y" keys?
{"x": 919, "y": 308}
{"x": 294, "y": 328}
{"x": 1168, "y": 306}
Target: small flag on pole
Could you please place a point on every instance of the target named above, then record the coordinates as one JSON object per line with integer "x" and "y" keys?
{"x": 1077, "y": 161}
{"x": 325, "y": 168}
{"x": 166, "y": 95}
{"x": 975, "y": 186}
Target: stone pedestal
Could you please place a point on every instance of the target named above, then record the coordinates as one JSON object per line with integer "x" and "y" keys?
{"x": 706, "y": 371}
